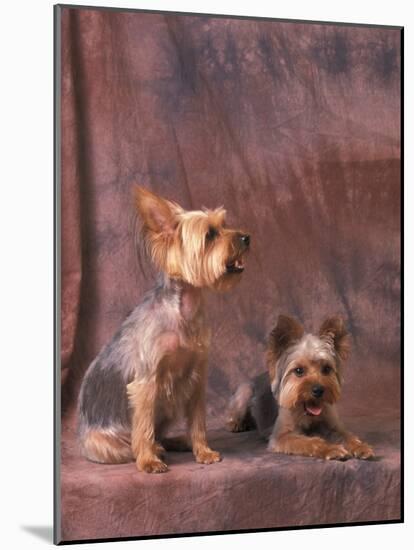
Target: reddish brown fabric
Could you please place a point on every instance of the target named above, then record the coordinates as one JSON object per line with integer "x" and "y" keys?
{"x": 250, "y": 489}
{"x": 294, "y": 128}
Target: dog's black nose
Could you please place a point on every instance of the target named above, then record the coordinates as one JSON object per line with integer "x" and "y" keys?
{"x": 317, "y": 390}
{"x": 245, "y": 239}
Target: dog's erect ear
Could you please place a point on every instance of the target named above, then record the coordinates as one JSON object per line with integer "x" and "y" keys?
{"x": 334, "y": 330}
{"x": 286, "y": 332}
{"x": 157, "y": 214}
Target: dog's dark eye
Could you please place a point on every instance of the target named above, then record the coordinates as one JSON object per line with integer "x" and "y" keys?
{"x": 299, "y": 371}
{"x": 211, "y": 234}
{"x": 326, "y": 369}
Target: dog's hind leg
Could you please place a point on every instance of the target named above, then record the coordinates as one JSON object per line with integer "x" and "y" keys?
{"x": 238, "y": 416}
{"x": 106, "y": 446}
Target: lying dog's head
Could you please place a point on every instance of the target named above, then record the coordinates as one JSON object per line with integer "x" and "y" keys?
{"x": 305, "y": 369}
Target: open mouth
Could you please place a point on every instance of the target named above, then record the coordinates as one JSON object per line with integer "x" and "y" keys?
{"x": 312, "y": 408}
{"x": 235, "y": 266}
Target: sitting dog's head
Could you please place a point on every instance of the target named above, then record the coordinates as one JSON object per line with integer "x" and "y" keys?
{"x": 194, "y": 246}
{"x": 305, "y": 369}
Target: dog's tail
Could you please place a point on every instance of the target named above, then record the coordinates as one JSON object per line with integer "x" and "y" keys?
{"x": 238, "y": 414}
{"x": 106, "y": 447}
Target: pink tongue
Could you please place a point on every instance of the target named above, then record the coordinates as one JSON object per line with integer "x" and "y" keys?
{"x": 314, "y": 411}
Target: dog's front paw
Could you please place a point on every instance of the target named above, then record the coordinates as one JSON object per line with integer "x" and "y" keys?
{"x": 152, "y": 466}
{"x": 207, "y": 456}
{"x": 335, "y": 452}
{"x": 359, "y": 449}
{"x": 317, "y": 447}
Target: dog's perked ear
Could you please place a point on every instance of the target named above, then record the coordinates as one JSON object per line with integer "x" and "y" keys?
{"x": 286, "y": 332}
{"x": 334, "y": 330}
{"x": 158, "y": 215}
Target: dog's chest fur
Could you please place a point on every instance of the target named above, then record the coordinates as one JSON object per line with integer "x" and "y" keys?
{"x": 182, "y": 367}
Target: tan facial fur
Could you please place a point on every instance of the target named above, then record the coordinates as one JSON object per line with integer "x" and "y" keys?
{"x": 303, "y": 374}
{"x": 193, "y": 246}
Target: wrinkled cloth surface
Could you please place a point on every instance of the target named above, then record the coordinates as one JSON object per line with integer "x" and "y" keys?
{"x": 249, "y": 489}
{"x": 295, "y": 129}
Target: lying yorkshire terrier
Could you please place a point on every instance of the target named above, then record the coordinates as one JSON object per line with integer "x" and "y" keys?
{"x": 299, "y": 391}
{"x": 154, "y": 370}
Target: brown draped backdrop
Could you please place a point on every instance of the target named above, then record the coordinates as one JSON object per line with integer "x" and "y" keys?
{"x": 295, "y": 129}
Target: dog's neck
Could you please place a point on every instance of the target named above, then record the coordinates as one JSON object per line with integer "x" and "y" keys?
{"x": 189, "y": 298}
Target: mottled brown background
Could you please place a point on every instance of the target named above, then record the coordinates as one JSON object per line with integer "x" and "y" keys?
{"x": 295, "y": 129}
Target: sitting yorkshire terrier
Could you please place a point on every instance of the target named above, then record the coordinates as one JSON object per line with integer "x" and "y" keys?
{"x": 155, "y": 368}
{"x": 297, "y": 395}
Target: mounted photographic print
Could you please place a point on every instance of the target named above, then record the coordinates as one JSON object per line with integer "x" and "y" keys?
{"x": 228, "y": 250}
